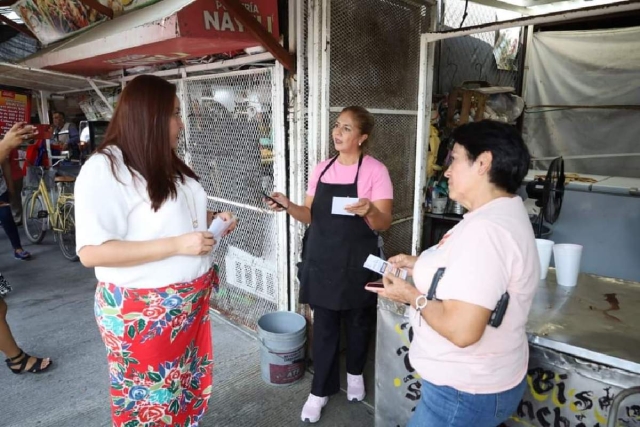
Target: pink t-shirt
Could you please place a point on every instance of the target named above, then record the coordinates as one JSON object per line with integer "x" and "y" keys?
{"x": 374, "y": 182}
{"x": 492, "y": 250}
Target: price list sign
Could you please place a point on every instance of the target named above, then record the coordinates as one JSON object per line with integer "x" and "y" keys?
{"x": 14, "y": 107}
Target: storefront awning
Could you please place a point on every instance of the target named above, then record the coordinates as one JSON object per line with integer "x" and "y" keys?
{"x": 44, "y": 80}
{"x": 168, "y": 31}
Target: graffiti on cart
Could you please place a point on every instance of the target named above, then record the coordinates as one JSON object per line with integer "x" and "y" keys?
{"x": 409, "y": 379}
{"x": 551, "y": 403}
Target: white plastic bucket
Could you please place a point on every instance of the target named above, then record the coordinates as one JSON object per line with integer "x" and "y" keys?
{"x": 545, "y": 249}
{"x": 567, "y": 259}
{"x": 282, "y": 336}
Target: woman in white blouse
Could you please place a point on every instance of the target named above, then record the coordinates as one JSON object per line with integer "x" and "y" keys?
{"x": 141, "y": 221}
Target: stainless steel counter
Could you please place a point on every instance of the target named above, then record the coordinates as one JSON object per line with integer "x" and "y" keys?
{"x": 597, "y": 320}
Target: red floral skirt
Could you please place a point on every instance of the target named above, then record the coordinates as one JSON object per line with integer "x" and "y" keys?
{"x": 159, "y": 351}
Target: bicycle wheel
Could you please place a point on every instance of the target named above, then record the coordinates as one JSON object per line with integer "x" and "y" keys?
{"x": 34, "y": 218}
{"x": 67, "y": 237}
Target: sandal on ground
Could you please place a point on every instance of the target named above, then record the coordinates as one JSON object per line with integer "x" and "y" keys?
{"x": 18, "y": 364}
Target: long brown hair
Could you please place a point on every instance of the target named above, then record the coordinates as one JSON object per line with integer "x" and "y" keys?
{"x": 140, "y": 129}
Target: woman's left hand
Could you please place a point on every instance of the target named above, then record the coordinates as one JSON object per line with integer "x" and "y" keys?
{"x": 395, "y": 289}
{"x": 228, "y": 216}
{"x": 361, "y": 208}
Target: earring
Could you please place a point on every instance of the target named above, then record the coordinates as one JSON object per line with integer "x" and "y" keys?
{"x": 360, "y": 145}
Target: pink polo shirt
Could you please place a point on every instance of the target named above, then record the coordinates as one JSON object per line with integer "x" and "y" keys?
{"x": 374, "y": 182}
{"x": 492, "y": 250}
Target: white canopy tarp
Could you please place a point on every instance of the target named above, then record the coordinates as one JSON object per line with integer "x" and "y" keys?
{"x": 573, "y": 69}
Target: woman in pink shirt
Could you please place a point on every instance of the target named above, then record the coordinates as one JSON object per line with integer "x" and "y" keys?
{"x": 473, "y": 365}
{"x": 332, "y": 277}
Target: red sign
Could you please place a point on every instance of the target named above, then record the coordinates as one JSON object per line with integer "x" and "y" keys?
{"x": 205, "y": 27}
{"x": 210, "y": 19}
{"x": 14, "y": 107}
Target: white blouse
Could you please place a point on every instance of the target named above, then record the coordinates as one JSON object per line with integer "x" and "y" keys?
{"x": 107, "y": 209}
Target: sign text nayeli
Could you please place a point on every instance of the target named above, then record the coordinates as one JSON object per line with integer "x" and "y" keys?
{"x": 213, "y": 19}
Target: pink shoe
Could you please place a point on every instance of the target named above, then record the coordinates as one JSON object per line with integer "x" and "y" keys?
{"x": 355, "y": 388}
{"x": 312, "y": 410}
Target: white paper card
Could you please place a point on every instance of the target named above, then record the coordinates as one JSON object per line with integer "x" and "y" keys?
{"x": 378, "y": 265}
{"x": 217, "y": 228}
{"x": 338, "y": 204}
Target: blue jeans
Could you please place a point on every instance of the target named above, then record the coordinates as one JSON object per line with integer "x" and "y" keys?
{"x": 442, "y": 406}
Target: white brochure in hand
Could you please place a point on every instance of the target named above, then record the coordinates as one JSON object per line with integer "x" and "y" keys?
{"x": 217, "y": 228}
{"x": 380, "y": 266}
{"x": 339, "y": 203}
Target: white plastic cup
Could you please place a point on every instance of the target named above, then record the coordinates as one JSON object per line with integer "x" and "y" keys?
{"x": 567, "y": 259}
{"x": 545, "y": 249}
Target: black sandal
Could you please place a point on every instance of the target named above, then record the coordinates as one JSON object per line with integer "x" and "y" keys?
{"x": 18, "y": 364}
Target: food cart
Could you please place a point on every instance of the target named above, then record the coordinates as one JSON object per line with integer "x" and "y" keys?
{"x": 584, "y": 365}
{"x": 575, "y": 372}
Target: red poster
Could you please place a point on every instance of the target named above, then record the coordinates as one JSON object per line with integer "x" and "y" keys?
{"x": 14, "y": 107}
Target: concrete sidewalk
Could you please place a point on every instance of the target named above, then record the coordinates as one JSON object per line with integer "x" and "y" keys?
{"x": 51, "y": 315}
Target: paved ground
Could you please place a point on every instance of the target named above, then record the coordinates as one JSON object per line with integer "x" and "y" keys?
{"x": 51, "y": 314}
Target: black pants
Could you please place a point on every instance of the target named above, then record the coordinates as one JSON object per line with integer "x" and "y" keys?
{"x": 9, "y": 225}
{"x": 326, "y": 345}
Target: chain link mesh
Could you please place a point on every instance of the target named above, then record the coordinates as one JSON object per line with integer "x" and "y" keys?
{"x": 228, "y": 143}
{"x": 375, "y": 54}
{"x": 470, "y": 58}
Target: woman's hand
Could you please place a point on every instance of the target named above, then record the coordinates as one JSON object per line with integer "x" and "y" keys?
{"x": 196, "y": 243}
{"x": 361, "y": 208}
{"x": 228, "y": 216}
{"x": 404, "y": 261}
{"x": 280, "y": 198}
{"x": 19, "y": 133}
{"x": 395, "y": 289}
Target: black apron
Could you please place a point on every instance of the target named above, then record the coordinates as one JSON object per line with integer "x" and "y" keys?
{"x": 335, "y": 248}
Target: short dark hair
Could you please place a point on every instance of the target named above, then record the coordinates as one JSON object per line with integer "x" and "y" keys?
{"x": 64, "y": 116}
{"x": 364, "y": 120}
{"x": 510, "y": 155}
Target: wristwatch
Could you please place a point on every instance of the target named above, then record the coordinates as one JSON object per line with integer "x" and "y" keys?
{"x": 421, "y": 302}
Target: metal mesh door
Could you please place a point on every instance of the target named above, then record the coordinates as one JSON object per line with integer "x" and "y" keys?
{"x": 234, "y": 142}
{"x": 374, "y": 62}
{"x": 358, "y": 52}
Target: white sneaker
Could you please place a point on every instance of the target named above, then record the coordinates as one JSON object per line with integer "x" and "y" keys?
{"x": 355, "y": 388}
{"x": 312, "y": 409}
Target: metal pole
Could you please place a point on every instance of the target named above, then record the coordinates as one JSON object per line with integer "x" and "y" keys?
{"x": 280, "y": 180}
{"x": 425, "y": 94}
{"x": 296, "y": 159}
{"x": 540, "y": 19}
{"x": 325, "y": 82}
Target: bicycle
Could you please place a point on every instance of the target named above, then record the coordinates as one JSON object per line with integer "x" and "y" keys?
{"x": 51, "y": 206}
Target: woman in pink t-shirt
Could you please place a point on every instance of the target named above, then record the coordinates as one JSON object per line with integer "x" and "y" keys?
{"x": 472, "y": 363}
{"x": 332, "y": 277}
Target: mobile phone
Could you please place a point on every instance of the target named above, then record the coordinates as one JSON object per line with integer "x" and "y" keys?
{"x": 44, "y": 131}
{"x": 271, "y": 199}
{"x": 374, "y": 285}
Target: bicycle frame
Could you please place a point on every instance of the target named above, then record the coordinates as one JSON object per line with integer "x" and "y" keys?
{"x": 55, "y": 219}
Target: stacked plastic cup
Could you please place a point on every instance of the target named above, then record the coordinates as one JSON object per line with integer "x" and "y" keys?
{"x": 567, "y": 259}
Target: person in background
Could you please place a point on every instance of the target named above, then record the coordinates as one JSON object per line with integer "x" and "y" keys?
{"x": 16, "y": 187}
{"x": 474, "y": 374}
{"x": 65, "y": 133}
{"x": 332, "y": 277}
{"x": 141, "y": 222}
{"x": 7, "y": 192}
{"x": 16, "y": 360}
